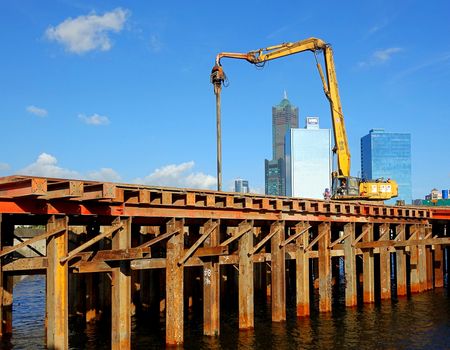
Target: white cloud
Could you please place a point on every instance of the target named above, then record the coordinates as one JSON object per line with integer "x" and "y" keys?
{"x": 40, "y": 112}
{"x": 94, "y": 119}
{"x": 380, "y": 57}
{"x": 104, "y": 174}
{"x": 46, "y": 165}
{"x": 86, "y": 33}
{"x": 178, "y": 175}
{"x": 155, "y": 43}
{"x": 4, "y": 167}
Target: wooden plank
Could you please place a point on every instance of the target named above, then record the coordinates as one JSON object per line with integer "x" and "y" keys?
{"x": 278, "y": 272}
{"x": 26, "y": 264}
{"x": 351, "y": 294}
{"x": 57, "y": 285}
{"x": 246, "y": 286}
{"x": 325, "y": 275}
{"x": 42, "y": 236}
{"x": 400, "y": 263}
{"x": 121, "y": 291}
{"x": 385, "y": 264}
{"x": 174, "y": 289}
{"x": 302, "y": 276}
{"x": 108, "y": 232}
{"x": 210, "y": 226}
{"x": 368, "y": 267}
{"x": 211, "y": 283}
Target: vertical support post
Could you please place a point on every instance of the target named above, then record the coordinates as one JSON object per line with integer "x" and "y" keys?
{"x": 351, "y": 294}
{"x": 438, "y": 266}
{"x": 324, "y": 267}
{"x": 246, "y": 287}
{"x": 57, "y": 285}
{"x": 422, "y": 261}
{"x": 211, "y": 287}
{"x": 368, "y": 267}
{"x": 174, "y": 287}
{"x": 6, "y": 280}
{"x": 401, "y": 262}
{"x": 121, "y": 292}
{"x": 278, "y": 273}
{"x": 385, "y": 264}
{"x": 414, "y": 261}
{"x": 302, "y": 273}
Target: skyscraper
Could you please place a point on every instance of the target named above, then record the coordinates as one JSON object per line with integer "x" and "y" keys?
{"x": 388, "y": 155}
{"x": 308, "y": 160}
{"x": 241, "y": 186}
{"x": 284, "y": 117}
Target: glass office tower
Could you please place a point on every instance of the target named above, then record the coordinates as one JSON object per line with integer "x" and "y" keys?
{"x": 308, "y": 160}
{"x": 388, "y": 155}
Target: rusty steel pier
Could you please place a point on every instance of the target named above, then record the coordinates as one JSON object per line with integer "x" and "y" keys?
{"x": 117, "y": 248}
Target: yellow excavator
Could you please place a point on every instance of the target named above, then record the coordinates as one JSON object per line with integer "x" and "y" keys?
{"x": 344, "y": 186}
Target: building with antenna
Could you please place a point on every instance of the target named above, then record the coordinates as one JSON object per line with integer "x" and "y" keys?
{"x": 284, "y": 117}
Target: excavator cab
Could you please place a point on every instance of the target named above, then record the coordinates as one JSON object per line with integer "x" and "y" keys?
{"x": 345, "y": 187}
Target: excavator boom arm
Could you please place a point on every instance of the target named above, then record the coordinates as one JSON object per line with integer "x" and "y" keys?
{"x": 330, "y": 85}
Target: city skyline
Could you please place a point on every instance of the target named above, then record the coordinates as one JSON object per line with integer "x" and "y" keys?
{"x": 89, "y": 87}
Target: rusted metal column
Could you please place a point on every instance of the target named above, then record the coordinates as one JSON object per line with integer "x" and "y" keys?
{"x": 385, "y": 264}
{"x": 351, "y": 294}
{"x": 438, "y": 266}
{"x": 401, "y": 262}
{"x": 414, "y": 261}
{"x": 278, "y": 274}
{"x": 324, "y": 267}
{"x": 368, "y": 267}
{"x": 121, "y": 292}
{"x": 211, "y": 288}
{"x": 6, "y": 280}
{"x": 302, "y": 274}
{"x": 57, "y": 285}
{"x": 174, "y": 287}
{"x": 246, "y": 287}
{"x": 422, "y": 261}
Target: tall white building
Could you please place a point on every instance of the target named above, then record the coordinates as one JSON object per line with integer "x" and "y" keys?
{"x": 308, "y": 160}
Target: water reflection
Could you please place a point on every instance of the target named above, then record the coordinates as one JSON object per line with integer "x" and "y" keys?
{"x": 421, "y": 321}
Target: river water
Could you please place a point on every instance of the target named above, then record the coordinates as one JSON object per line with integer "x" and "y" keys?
{"x": 421, "y": 321}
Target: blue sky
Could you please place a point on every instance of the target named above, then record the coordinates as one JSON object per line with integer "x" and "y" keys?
{"x": 120, "y": 91}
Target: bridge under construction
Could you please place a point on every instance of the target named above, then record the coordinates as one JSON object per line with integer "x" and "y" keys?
{"x": 117, "y": 248}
